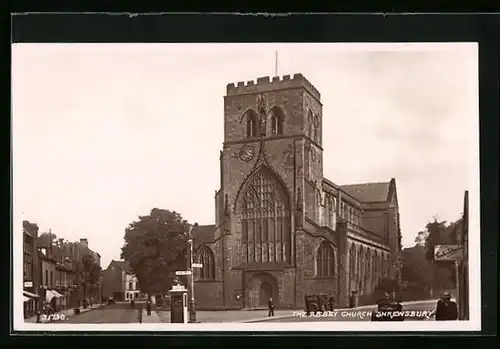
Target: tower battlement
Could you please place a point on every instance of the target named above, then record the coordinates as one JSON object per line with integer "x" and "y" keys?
{"x": 265, "y": 84}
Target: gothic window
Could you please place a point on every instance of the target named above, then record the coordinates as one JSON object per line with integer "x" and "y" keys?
{"x": 251, "y": 124}
{"x": 361, "y": 269}
{"x": 352, "y": 265}
{"x": 277, "y": 121}
{"x": 325, "y": 260}
{"x": 316, "y": 129}
{"x": 368, "y": 268}
{"x": 265, "y": 219}
{"x": 375, "y": 268}
{"x": 329, "y": 211}
{"x": 206, "y": 258}
{"x": 384, "y": 262}
{"x": 310, "y": 123}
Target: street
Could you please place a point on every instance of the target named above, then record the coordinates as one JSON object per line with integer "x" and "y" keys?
{"x": 122, "y": 313}
{"x": 360, "y": 313}
{"x": 115, "y": 313}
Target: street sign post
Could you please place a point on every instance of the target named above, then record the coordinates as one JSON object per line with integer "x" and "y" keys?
{"x": 197, "y": 265}
{"x": 183, "y": 272}
{"x": 451, "y": 253}
{"x": 444, "y": 253}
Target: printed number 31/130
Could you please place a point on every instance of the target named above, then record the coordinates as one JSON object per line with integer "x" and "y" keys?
{"x": 52, "y": 317}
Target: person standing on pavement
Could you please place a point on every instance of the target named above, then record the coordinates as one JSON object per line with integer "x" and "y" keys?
{"x": 446, "y": 309}
{"x": 148, "y": 307}
{"x": 270, "y": 305}
{"x": 139, "y": 314}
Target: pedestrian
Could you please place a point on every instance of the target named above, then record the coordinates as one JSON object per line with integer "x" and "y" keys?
{"x": 446, "y": 309}
{"x": 139, "y": 315}
{"x": 148, "y": 307}
{"x": 331, "y": 302}
{"x": 271, "y": 307}
{"x": 384, "y": 300}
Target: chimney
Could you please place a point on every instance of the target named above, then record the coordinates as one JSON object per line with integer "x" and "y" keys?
{"x": 84, "y": 242}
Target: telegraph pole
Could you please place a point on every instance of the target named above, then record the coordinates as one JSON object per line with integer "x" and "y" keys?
{"x": 192, "y": 313}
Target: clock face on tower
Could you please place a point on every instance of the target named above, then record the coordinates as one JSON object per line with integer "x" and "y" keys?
{"x": 247, "y": 153}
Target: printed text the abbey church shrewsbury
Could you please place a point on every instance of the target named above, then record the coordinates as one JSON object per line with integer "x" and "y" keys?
{"x": 283, "y": 230}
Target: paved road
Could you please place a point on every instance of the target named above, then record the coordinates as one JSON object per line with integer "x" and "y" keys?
{"x": 116, "y": 313}
{"x": 423, "y": 308}
{"x": 227, "y": 315}
{"x": 122, "y": 313}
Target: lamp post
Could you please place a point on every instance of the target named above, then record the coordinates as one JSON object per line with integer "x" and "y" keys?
{"x": 192, "y": 313}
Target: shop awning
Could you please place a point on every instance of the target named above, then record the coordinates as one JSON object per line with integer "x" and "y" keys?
{"x": 26, "y": 299}
{"x": 51, "y": 294}
{"x": 29, "y": 294}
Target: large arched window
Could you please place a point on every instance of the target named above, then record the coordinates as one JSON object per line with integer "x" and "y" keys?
{"x": 310, "y": 121}
{"x": 352, "y": 267}
{"x": 368, "y": 270}
{"x": 329, "y": 212}
{"x": 206, "y": 258}
{"x": 361, "y": 269}
{"x": 316, "y": 135}
{"x": 265, "y": 218}
{"x": 277, "y": 121}
{"x": 325, "y": 260}
{"x": 252, "y": 123}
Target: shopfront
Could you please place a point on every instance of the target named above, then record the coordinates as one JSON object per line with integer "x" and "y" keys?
{"x": 30, "y": 301}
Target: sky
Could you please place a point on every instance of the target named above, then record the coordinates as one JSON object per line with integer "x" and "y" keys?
{"x": 103, "y": 133}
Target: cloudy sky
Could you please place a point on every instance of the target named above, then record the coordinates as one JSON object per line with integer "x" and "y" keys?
{"x": 102, "y": 133}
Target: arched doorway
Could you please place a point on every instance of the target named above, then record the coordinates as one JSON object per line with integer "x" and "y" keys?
{"x": 266, "y": 292}
{"x": 261, "y": 286}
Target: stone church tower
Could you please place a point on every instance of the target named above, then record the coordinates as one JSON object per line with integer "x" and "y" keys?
{"x": 269, "y": 129}
{"x": 282, "y": 230}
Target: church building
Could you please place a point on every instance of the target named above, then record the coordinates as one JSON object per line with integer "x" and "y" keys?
{"x": 282, "y": 229}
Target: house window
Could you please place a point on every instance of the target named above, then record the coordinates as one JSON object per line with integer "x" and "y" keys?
{"x": 251, "y": 124}
{"x": 265, "y": 219}
{"x": 130, "y": 286}
{"x": 325, "y": 260}
{"x": 206, "y": 258}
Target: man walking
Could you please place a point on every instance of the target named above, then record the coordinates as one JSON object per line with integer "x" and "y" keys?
{"x": 271, "y": 307}
{"x": 446, "y": 309}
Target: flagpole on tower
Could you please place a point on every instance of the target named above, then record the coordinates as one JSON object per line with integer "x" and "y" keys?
{"x": 276, "y": 64}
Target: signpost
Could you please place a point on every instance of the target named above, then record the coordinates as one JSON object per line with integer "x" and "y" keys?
{"x": 183, "y": 272}
{"x": 197, "y": 265}
{"x": 448, "y": 253}
{"x": 451, "y": 253}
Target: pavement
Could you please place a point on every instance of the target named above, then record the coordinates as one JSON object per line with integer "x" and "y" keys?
{"x": 123, "y": 313}
{"x": 423, "y": 311}
{"x": 66, "y": 313}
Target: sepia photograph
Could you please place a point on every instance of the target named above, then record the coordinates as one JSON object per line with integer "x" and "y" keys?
{"x": 245, "y": 187}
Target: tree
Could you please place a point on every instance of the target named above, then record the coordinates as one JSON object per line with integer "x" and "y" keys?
{"x": 46, "y": 240}
{"x": 155, "y": 247}
{"x": 416, "y": 267}
{"x": 421, "y": 238}
{"x": 436, "y": 236}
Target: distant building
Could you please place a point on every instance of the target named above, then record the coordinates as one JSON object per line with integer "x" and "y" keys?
{"x": 119, "y": 282}
{"x": 48, "y": 291}
{"x": 31, "y": 279}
